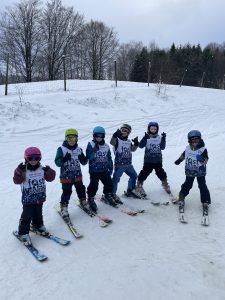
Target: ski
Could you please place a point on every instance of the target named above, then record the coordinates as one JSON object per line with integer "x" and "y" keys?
{"x": 205, "y": 216}
{"x": 104, "y": 221}
{"x": 52, "y": 237}
{"x": 181, "y": 214}
{"x": 33, "y": 250}
{"x": 70, "y": 225}
{"x": 128, "y": 212}
{"x": 158, "y": 203}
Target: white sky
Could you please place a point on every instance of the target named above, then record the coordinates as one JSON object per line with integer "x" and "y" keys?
{"x": 162, "y": 21}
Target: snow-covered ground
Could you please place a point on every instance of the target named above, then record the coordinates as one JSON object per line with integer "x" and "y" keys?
{"x": 147, "y": 257}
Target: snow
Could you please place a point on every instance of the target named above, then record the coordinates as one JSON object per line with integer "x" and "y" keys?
{"x": 147, "y": 257}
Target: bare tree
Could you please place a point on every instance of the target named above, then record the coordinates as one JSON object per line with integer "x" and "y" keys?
{"x": 59, "y": 27}
{"x": 20, "y": 36}
{"x": 101, "y": 44}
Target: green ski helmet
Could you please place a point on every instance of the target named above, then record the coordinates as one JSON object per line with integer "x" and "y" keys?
{"x": 71, "y": 131}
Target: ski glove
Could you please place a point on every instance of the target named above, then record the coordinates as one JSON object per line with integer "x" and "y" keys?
{"x": 177, "y": 162}
{"x": 22, "y": 167}
{"x": 135, "y": 141}
{"x": 200, "y": 158}
{"x": 67, "y": 157}
{"x": 117, "y": 133}
{"x": 163, "y": 135}
{"x": 96, "y": 147}
{"x": 146, "y": 136}
{"x": 82, "y": 158}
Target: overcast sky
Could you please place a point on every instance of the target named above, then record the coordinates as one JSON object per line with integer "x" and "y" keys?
{"x": 161, "y": 21}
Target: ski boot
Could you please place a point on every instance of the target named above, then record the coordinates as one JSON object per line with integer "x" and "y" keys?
{"x": 64, "y": 210}
{"x": 41, "y": 230}
{"x": 133, "y": 193}
{"x": 108, "y": 199}
{"x": 166, "y": 186}
{"x": 83, "y": 203}
{"x": 205, "y": 209}
{"x": 25, "y": 238}
{"x": 180, "y": 200}
{"x": 117, "y": 199}
{"x": 92, "y": 205}
{"x": 140, "y": 190}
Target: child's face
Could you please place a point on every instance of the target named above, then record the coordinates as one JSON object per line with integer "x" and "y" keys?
{"x": 195, "y": 141}
{"x": 34, "y": 160}
{"x": 98, "y": 138}
{"x": 71, "y": 139}
{"x": 153, "y": 129}
{"x": 125, "y": 132}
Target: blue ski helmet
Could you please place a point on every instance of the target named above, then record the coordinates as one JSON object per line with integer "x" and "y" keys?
{"x": 153, "y": 124}
{"x": 194, "y": 133}
{"x": 99, "y": 131}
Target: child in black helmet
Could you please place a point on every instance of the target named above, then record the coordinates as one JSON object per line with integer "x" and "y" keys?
{"x": 196, "y": 158}
{"x": 123, "y": 148}
{"x": 154, "y": 144}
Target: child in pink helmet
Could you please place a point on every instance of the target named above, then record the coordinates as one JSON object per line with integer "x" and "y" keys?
{"x": 31, "y": 175}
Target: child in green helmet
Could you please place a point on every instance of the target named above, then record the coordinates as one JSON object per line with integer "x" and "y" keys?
{"x": 69, "y": 156}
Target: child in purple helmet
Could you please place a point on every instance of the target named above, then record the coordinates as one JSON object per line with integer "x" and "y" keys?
{"x": 31, "y": 175}
{"x": 196, "y": 158}
{"x": 154, "y": 144}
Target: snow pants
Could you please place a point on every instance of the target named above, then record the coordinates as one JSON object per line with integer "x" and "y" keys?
{"x": 67, "y": 191}
{"x": 106, "y": 180}
{"x": 204, "y": 192}
{"x": 147, "y": 170}
{"x": 31, "y": 212}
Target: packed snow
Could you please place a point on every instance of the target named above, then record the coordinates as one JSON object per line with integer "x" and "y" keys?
{"x": 146, "y": 257}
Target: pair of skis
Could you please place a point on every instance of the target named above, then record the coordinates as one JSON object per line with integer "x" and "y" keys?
{"x": 38, "y": 255}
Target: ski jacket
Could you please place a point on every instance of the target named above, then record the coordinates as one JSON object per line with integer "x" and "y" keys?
{"x": 123, "y": 149}
{"x": 70, "y": 170}
{"x": 153, "y": 146}
{"x": 99, "y": 156}
{"x": 193, "y": 167}
{"x": 32, "y": 183}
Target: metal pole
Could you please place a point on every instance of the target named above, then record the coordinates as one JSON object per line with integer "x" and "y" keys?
{"x": 115, "y": 72}
{"x": 149, "y": 68}
{"x": 7, "y": 75}
{"x": 183, "y": 77}
{"x": 64, "y": 72}
{"x": 202, "y": 80}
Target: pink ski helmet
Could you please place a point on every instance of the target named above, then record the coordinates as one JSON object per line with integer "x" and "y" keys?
{"x": 32, "y": 151}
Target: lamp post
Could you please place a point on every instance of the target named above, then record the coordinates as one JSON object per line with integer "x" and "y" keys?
{"x": 64, "y": 71}
{"x": 149, "y": 69}
{"x": 185, "y": 71}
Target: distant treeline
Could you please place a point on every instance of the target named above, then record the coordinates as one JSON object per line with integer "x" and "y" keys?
{"x": 41, "y": 41}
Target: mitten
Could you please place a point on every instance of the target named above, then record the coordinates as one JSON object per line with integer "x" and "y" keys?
{"x": 163, "y": 135}
{"x": 22, "y": 167}
{"x": 96, "y": 147}
{"x": 135, "y": 141}
{"x": 67, "y": 157}
{"x": 117, "y": 133}
{"x": 46, "y": 168}
{"x": 146, "y": 136}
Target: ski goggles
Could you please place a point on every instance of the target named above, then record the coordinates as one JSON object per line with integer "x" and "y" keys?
{"x": 72, "y": 138}
{"x": 34, "y": 158}
{"x": 124, "y": 130}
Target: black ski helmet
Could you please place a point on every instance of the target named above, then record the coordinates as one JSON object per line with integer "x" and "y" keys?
{"x": 127, "y": 126}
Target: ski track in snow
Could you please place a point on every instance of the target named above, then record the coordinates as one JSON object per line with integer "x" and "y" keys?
{"x": 149, "y": 256}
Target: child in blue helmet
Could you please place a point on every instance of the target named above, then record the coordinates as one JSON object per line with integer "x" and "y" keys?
{"x": 123, "y": 148}
{"x": 196, "y": 158}
{"x": 100, "y": 168}
{"x": 69, "y": 156}
{"x": 154, "y": 144}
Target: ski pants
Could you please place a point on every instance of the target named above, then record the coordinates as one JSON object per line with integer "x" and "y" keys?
{"x": 147, "y": 170}
{"x": 31, "y": 212}
{"x": 106, "y": 180}
{"x": 129, "y": 170}
{"x": 67, "y": 191}
{"x": 204, "y": 192}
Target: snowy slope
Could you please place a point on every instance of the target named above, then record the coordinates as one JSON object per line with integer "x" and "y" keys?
{"x": 147, "y": 257}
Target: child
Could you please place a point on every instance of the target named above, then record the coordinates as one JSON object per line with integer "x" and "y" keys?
{"x": 123, "y": 160}
{"x": 31, "y": 176}
{"x": 68, "y": 158}
{"x": 196, "y": 158}
{"x": 154, "y": 144}
{"x": 100, "y": 168}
